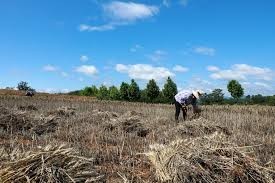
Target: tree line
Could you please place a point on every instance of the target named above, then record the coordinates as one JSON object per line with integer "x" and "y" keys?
{"x": 237, "y": 92}
{"x": 153, "y": 94}
{"x": 132, "y": 92}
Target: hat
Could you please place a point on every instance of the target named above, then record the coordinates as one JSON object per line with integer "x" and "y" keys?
{"x": 197, "y": 93}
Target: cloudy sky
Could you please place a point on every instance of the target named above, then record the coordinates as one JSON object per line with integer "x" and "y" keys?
{"x": 67, "y": 44}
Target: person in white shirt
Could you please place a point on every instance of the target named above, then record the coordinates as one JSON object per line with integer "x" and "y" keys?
{"x": 185, "y": 98}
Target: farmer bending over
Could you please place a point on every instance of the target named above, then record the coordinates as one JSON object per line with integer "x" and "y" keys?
{"x": 185, "y": 98}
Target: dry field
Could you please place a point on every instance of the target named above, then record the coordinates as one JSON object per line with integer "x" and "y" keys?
{"x": 73, "y": 139}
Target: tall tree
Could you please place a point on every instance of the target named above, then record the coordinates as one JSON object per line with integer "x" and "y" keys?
{"x": 152, "y": 90}
{"x": 89, "y": 91}
{"x": 114, "y": 93}
{"x": 215, "y": 97}
{"x": 124, "y": 93}
{"x": 103, "y": 93}
{"x": 23, "y": 86}
{"x": 170, "y": 89}
{"x": 134, "y": 92}
{"x": 235, "y": 89}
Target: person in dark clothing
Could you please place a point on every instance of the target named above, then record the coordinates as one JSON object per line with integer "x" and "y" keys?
{"x": 185, "y": 98}
{"x": 29, "y": 93}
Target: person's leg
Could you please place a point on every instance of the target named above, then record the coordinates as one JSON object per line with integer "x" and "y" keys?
{"x": 184, "y": 112}
{"x": 177, "y": 106}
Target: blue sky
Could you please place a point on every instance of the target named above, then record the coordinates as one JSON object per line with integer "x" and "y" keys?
{"x": 67, "y": 44}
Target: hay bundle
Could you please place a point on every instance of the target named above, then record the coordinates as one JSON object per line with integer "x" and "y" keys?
{"x": 4, "y": 111}
{"x": 27, "y": 108}
{"x": 204, "y": 160}
{"x": 18, "y": 121}
{"x": 63, "y": 111}
{"x": 129, "y": 122}
{"x": 134, "y": 125}
{"x": 51, "y": 164}
{"x": 14, "y": 121}
{"x": 196, "y": 130}
{"x": 99, "y": 115}
{"x": 46, "y": 125}
{"x": 198, "y": 127}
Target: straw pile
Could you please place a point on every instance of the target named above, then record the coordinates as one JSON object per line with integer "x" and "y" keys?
{"x": 103, "y": 116}
{"x": 199, "y": 127}
{"x": 46, "y": 125}
{"x": 63, "y": 111}
{"x": 48, "y": 165}
{"x": 205, "y": 159}
{"x": 129, "y": 122}
{"x": 18, "y": 121}
{"x": 14, "y": 121}
{"x": 27, "y": 108}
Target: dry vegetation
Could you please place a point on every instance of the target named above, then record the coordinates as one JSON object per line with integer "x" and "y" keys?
{"x": 72, "y": 139}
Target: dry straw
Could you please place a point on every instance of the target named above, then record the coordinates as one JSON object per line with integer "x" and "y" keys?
{"x": 51, "y": 164}
{"x": 206, "y": 159}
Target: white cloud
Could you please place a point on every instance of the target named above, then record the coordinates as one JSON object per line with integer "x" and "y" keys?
{"x": 242, "y": 72}
{"x": 202, "y": 50}
{"x": 157, "y": 55}
{"x": 166, "y": 3}
{"x": 88, "y": 70}
{"x": 228, "y": 75}
{"x": 254, "y": 88}
{"x": 135, "y": 48}
{"x": 263, "y": 85}
{"x": 121, "y": 68}
{"x": 184, "y": 2}
{"x": 84, "y": 58}
{"x": 64, "y": 74}
{"x": 212, "y": 68}
{"x": 246, "y": 83}
{"x": 85, "y": 27}
{"x": 49, "y": 68}
{"x": 129, "y": 11}
{"x": 53, "y": 90}
{"x": 179, "y": 68}
{"x": 197, "y": 83}
{"x": 260, "y": 73}
{"x": 144, "y": 71}
{"x": 120, "y": 13}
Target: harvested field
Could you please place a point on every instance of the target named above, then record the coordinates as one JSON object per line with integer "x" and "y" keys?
{"x": 132, "y": 142}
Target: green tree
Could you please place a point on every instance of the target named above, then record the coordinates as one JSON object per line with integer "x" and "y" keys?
{"x": 124, "y": 93}
{"x": 103, "y": 93}
{"x": 133, "y": 91}
{"x": 143, "y": 96}
{"x": 235, "y": 89}
{"x": 215, "y": 97}
{"x": 152, "y": 90}
{"x": 23, "y": 86}
{"x": 161, "y": 98}
{"x": 258, "y": 99}
{"x": 114, "y": 93}
{"x": 89, "y": 91}
{"x": 169, "y": 90}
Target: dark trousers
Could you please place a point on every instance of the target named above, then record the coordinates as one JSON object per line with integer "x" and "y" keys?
{"x": 178, "y": 108}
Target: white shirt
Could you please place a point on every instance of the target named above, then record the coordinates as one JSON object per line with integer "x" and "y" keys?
{"x": 182, "y": 96}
